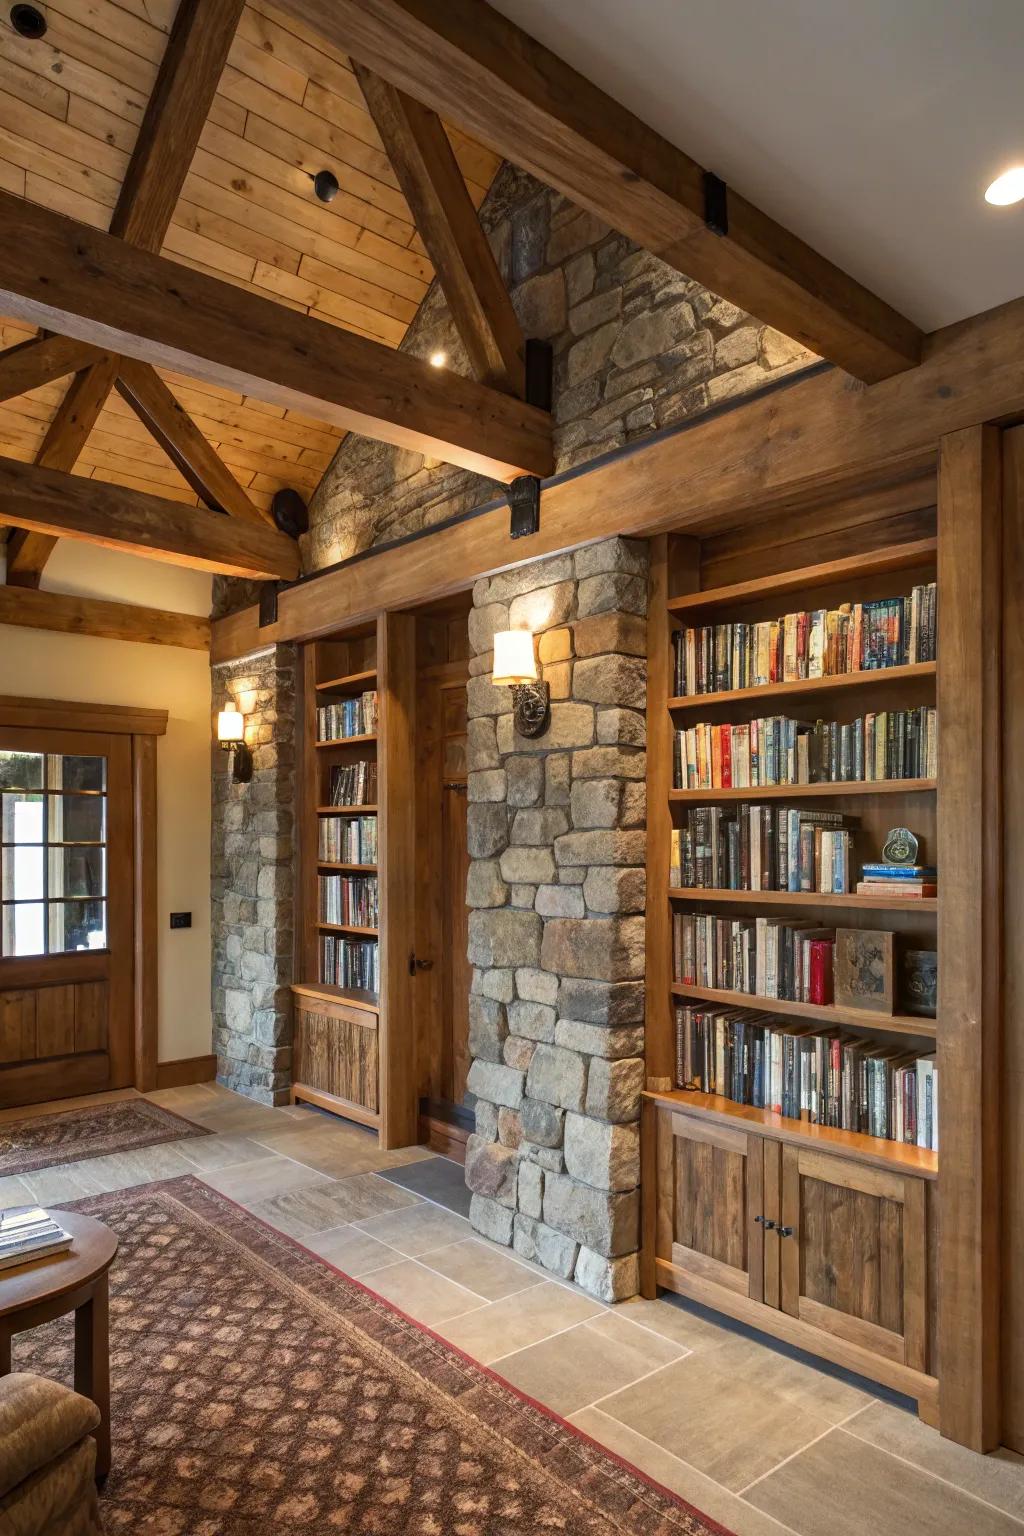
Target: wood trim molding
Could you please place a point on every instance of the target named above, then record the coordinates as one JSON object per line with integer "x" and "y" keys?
{"x": 41, "y": 360}
{"x": 185, "y": 1071}
{"x": 144, "y": 869}
{"x": 59, "y": 714}
{"x": 28, "y": 608}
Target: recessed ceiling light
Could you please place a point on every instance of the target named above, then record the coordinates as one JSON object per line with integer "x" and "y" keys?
{"x": 1007, "y": 188}
{"x": 438, "y": 359}
{"x": 28, "y": 20}
{"x": 325, "y": 185}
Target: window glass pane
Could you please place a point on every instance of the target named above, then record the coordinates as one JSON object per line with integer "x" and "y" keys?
{"x": 21, "y": 873}
{"x": 21, "y": 818}
{"x": 21, "y": 770}
{"x": 77, "y": 818}
{"x": 23, "y": 929}
{"x": 77, "y": 872}
{"x": 76, "y": 772}
{"x": 77, "y": 925}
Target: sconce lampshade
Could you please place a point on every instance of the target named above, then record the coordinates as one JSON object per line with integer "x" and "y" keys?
{"x": 230, "y": 726}
{"x": 514, "y": 661}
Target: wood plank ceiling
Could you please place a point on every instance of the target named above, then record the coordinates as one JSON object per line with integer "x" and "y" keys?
{"x": 288, "y": 105}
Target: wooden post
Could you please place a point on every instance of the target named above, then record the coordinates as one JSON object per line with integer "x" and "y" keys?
{"x": 147, "y": 997}
{"x": 969, "y": 934}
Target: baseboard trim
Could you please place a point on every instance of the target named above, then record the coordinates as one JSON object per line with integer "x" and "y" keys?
{"x": 186, "y": 1071}
{"x": 448, "y": 1140}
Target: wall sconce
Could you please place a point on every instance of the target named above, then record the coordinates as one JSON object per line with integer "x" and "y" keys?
{"x": 515, "y": 666}
{"x": 231, "y": 735}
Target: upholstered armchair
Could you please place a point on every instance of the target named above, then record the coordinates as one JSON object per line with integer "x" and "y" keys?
{"x": 47, "y": 1459}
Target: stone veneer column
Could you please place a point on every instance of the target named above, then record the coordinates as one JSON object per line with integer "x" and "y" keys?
{"x": 252, "y": 868}
{"x": 556, "y": 933}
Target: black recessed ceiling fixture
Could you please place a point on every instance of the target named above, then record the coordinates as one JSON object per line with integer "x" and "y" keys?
{"x": 28, "y": 21}
{"x": 325, "y": 185}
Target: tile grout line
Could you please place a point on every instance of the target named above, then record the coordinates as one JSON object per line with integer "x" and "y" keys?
{"x": 926, "y": 1472}
{"x": 547, "y": 1337}
{"x": 635, "y": 1382}
{"x": 742, "y": 1492}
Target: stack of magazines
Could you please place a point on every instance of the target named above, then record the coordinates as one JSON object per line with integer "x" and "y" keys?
{"x": 29, "y": 1233}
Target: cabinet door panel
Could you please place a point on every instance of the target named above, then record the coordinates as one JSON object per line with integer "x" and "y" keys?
{"x": 716, "y": 1183}
{"x": 853, "y": 1253}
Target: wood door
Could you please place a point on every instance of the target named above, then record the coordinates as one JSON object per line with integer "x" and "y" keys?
{"x": 853, "y": 1253}
{"x": 66, "y": 923}
{"x": 456, "y": 975}
{"x": 714, "y": 1177}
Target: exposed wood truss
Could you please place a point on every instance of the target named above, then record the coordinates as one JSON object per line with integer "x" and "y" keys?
{"x": 177, "y": 109}
{"x": 105, "y": 620}
{"x": 477, "y": 68}
{"x": 63, "y": 276}
{"x": 423, "y": 158}
{"x": 764, "y": 458}
{"x": 59, "y": 505}
{"x": 40, "y": 361}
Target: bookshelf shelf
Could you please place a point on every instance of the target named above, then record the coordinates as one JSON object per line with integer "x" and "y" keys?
{"x": 364, "y": 933}
{"x": 850, "y": 1144}
{"x": 352, "y": 997}
{"x": 361, "y": 869}
{"x": 348, "y": 741}
{"x": 808, "y": 687}
{"x": 894, "y": 557}
{"x": 827, "y": 791}
{"x": 347, "y": 810}
{"x": 830, "y": 1014}
{"x": 925, "y": 904}
{"x": 356, "y": 681}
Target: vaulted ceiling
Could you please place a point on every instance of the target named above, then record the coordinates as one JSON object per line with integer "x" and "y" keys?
{"x": 288, "y": 105}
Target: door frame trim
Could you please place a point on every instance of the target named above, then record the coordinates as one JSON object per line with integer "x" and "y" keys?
{"x": 143, "y": 725}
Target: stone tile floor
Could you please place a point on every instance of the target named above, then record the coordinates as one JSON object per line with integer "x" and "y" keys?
{"x": 763, "y": 1442}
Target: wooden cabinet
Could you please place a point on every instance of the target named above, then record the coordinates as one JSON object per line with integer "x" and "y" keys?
{"x": 830, "y": 1251}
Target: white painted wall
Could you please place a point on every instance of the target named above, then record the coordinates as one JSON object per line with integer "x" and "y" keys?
{"x": 41, "y": 664}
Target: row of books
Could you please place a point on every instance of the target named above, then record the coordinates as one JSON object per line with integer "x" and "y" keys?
{"x": 855, "y": 637}
{"x": 347, "y": 717}
{"x": 888, "y": 744}
{"x": 351, "y": 899}
{"x": 764, "y": 956}
{"x": 906, "y": 881}
{"x": 30, "y": 1233}
{"x": 763, "y": 848}
{"x": 354, "y": 783}
{"x": 825, "y": 1078}
{"x": 348, "y": 839}
{"x": 352, "y": 963}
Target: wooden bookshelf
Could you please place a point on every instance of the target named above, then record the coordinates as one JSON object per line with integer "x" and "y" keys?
{"x": 352, "y": 1046}
{"x": 744, "y": 1209}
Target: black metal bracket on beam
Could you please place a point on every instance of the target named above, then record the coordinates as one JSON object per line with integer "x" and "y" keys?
{"x": 524, "y": 493}
{"x": 268, "y": 602}
{"x": 716, "y": 204}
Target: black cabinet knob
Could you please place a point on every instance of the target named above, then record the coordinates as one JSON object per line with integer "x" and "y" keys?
{"x": 785, "y": 1231}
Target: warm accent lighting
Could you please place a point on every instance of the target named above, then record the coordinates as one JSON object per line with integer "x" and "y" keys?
{"x": 515, "y": 667}
{"x": 514, "y": 661}
{"x": 1007, "y": 188}
{"x": 231, "y": 735}
{"x": 438, "y": 359}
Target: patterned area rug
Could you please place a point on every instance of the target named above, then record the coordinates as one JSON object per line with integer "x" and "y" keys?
{"x": 257, "y": 1390}
{"x": 122, "y": 1126}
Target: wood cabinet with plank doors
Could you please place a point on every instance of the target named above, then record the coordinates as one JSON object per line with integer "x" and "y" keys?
{"x": 827, "y": 1248}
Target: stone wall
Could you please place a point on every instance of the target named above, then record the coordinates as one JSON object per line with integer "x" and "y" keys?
{"x": 252, "y": 870}
{"x": 636, "y": 347}
{"x": 556, "y": 931}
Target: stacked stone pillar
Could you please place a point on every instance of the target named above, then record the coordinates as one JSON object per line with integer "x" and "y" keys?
{"x": 556, "y": 932}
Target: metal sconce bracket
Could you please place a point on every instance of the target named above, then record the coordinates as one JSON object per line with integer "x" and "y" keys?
{"x": 531, "y": 708}
{"x": 241, "y": 762}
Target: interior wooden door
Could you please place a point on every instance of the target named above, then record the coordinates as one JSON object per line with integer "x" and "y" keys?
{"x": 66, "y": 924}
{"x": 455, "y": 969}
{"x": 854, "y": 1253}
{"x": 716, "y": 1177}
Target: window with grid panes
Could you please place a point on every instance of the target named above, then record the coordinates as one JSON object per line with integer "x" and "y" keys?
{"x": 53, "y": 855}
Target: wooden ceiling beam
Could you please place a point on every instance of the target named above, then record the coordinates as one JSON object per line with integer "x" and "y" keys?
{"x": 175, "y": 116}
{"x": 59, "y": 505}
{"x": 428, "y": 174}
{"x": 480, "y": 71}
{"x": 102, "y": 619}
{"x": 28, "y": 551}
{"x": 173, "y": 428}
{"x": 40, "y": 361}
{"x": 69, "y": 278}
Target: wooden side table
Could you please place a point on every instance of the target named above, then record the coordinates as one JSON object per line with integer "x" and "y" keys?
{"x": 75, "y": 1281}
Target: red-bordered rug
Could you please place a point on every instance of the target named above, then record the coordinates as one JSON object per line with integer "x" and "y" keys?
{"x": 257, "y": 1389}
{"x": 124, "y": 1125}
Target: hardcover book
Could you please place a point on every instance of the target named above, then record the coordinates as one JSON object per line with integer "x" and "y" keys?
{"x": 864, "y": 962}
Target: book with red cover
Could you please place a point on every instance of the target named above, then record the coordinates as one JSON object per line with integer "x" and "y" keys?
{"x": 820, "y": 979}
